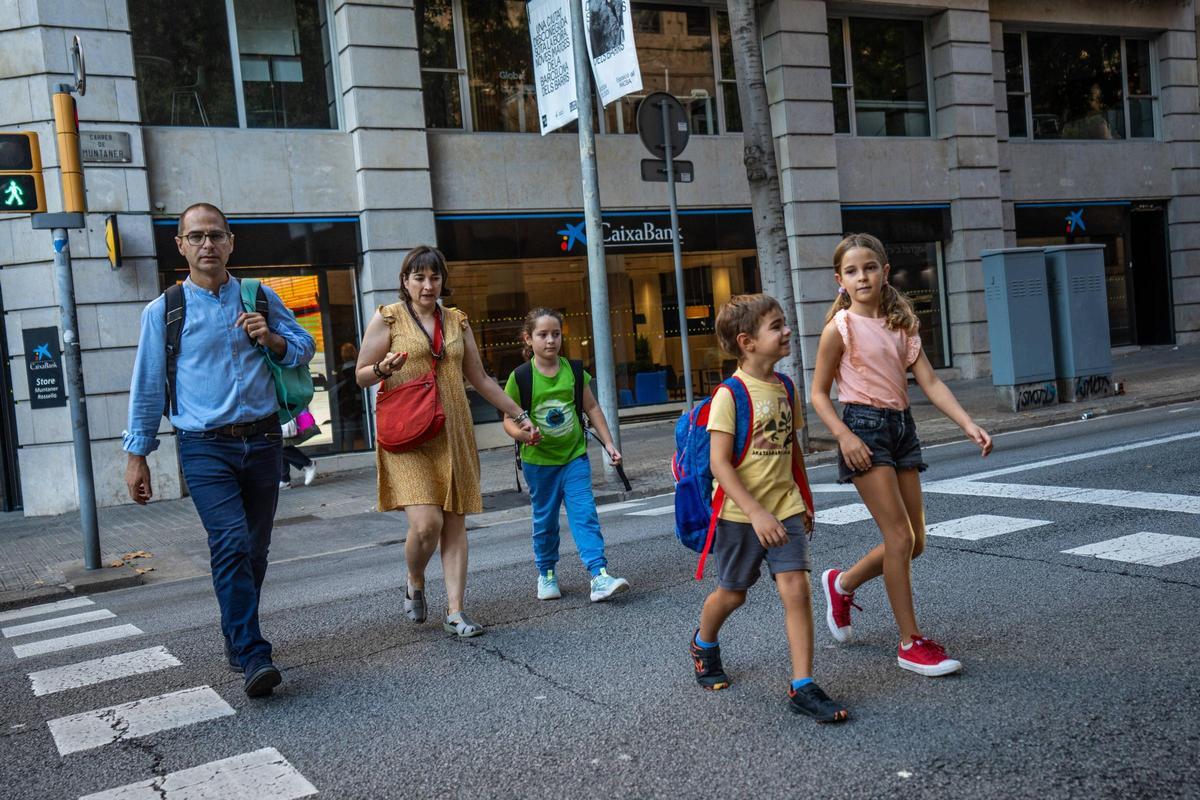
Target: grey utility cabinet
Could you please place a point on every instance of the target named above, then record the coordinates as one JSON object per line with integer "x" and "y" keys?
{"x": 1079, "y": 320}
{"x": 1018, "y": 313}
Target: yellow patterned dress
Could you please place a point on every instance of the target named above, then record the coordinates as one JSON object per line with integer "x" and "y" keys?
{"x": 445, "y": 470}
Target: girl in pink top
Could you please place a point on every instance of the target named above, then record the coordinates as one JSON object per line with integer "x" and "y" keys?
{"x": 869, "y": 344}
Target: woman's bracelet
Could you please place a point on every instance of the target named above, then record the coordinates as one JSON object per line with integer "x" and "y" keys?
{"x": 524, "y": 415}
{"x": 383, "y": 376}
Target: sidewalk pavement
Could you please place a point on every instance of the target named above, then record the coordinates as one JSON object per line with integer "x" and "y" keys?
{"x": 336, "y": 513}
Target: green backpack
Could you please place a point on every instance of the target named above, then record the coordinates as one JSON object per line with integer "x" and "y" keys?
{"x": 293, "y": 385}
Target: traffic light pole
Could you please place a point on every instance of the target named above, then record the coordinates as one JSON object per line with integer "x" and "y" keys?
{"x": 602, "y": 340}
{"x": 73, "y": 364}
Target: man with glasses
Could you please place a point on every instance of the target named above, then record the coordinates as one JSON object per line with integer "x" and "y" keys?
{"x": 226, "y": 419}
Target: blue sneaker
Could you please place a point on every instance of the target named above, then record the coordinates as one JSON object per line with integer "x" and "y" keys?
{"x": 548, "y": 586}
{"x": 605, "y": 586}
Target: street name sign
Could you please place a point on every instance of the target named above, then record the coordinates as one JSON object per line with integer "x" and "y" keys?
{"x": 106, "y": 147}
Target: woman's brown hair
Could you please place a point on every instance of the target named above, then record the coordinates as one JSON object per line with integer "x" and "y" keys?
{"x": 530, "y": 325}
{"x": 895, "y": 306}
{"x": 419, "y": 259}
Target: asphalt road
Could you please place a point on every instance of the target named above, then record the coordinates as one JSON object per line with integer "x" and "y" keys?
{"x": 1080, "y": 672}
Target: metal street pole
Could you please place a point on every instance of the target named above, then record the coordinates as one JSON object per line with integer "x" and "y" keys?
{"x": 602, "y": 340}
{"x": 675, "y": 249}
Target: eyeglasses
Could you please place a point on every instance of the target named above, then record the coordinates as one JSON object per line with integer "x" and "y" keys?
{"x": 196, "y": 238}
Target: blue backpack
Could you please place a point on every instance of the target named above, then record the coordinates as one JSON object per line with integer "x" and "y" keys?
{"x": 696, "y": 504}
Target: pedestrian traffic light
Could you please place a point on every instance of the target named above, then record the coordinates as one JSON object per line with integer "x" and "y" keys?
{"x": 66, "y": 127}
{"x": 21, "y": 188}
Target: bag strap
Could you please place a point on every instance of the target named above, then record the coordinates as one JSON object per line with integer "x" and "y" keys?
{"x": 577, "y": 374}
{"x": 174, "y": 309}
{"x": 523, "y": 375}
{"x": 797, "y": 474}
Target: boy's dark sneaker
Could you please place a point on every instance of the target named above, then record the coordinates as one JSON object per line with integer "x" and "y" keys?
{"x": 262, "y": 679}
{"x": 811, "y": 701}
{"x": 707, "y": 662}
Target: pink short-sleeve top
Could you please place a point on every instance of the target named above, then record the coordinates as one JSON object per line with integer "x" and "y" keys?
{"x": 875, "y": 361}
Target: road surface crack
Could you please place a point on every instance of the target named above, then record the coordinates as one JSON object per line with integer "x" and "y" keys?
{"x": 498, "y": 653}
{"x": 1060, "y": 564}
{"x": 120, "y": 727}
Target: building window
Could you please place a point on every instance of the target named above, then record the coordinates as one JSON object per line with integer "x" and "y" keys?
{"x": 728, "y": 75}
{"x": 1079, "y": 86}
{"x": 282, "y": 78}
{"x": 477, "y": 66}
{"x": 879, "y": 78}
{"x": 442, "y": 78}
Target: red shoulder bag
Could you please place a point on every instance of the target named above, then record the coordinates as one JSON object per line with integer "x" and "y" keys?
{"x": 411, "y": 414}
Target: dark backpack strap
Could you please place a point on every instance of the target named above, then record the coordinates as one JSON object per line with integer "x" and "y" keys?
{"x": 577, "y": 373}
{"x": 173, "y": 314}
{"x": 261, "y": 305}
{"x": 524, "y": 378}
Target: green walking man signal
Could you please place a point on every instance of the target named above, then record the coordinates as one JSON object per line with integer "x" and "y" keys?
{"x": 21, "y": 187}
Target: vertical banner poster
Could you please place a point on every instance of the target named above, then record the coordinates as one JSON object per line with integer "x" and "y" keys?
{"x": 43, "y": 367}
{"x": 609, "y": 33}
{"x": 553, "y": 63}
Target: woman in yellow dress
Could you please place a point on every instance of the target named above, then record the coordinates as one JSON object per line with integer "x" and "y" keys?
{"x": 437, "y": 482}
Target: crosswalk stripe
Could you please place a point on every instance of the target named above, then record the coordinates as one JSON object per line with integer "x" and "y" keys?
{"x": 1118, "y": 498}
{"x": 75, "y": 640}
{"x": 843, "y": 515}
{"x": 619, "y": 506}
{"x": 1152, "y": 549}
{"x": 45, "y": 608}
{"x": 93, "y": 729}
{"x": 263, "y": 774}
{"x": 100, "y": 670}
{"x": 982, "y": 526}
{"x": 56, "y": 622}
{"x": 652, "y": 512}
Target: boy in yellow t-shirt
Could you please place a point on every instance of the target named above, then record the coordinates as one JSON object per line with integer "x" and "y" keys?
{"x": 764, "y": 516}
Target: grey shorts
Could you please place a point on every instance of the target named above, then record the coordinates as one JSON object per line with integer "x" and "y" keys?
{"x": 740, "y": 554}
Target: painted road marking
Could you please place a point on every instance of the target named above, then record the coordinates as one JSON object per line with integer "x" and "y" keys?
{"x": 45, "y": 608}
{"x": 264, "y": 774}
{"x": 652, "y": 512}
{"x": 1119, "y": 498}
{"x": 100, "y": 670}
{"x": 982, "y": 526}
{"x": 619, "y": 506}
{"x": 1152, "y": 549}
{"x": 75, "y": 640}
{"x": 1052, "y": 462}
{"x": 843, "y": 515}
{"x": 833, "y": 488}
{"x": 93, "y": 729}
{"x": 1177, "y": 410}
{"x": 56, "y": 622}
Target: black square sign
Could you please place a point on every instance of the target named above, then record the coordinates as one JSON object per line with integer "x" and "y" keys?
{"x": 43, "y": 367}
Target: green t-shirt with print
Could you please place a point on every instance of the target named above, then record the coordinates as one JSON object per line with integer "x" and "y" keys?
{"x": 554, "y": 414}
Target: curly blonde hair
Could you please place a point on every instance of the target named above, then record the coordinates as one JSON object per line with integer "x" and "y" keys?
{"x": 895, "y": 306}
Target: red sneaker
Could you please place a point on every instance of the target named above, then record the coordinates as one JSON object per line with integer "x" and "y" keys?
{"x": 926, "y": 657}
{"x": 837, "y": 606}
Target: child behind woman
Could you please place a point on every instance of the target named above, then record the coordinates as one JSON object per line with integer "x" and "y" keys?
{"x": 555, "y": 460}
{"x": 764, "y": 516}
{"x": 870, "y": 341}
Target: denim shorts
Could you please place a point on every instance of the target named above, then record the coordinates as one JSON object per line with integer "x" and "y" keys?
{"x": 890, "y": 434}
{"x": 740, "y": 554}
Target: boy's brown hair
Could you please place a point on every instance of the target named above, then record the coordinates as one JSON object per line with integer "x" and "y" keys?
{"x": 743, "y": 314}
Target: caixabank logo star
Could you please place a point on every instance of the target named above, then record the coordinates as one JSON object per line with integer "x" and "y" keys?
{"x": 570, "y": 235}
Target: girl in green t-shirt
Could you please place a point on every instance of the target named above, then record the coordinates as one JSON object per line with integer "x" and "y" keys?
{"x": 554, "y": 457}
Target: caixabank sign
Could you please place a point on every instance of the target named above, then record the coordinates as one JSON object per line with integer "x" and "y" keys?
{"x": 488, "y": 237}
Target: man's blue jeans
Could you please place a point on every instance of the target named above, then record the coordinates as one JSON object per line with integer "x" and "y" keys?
{"x": 234, "y": 483}
{"x": 549, "y": 488}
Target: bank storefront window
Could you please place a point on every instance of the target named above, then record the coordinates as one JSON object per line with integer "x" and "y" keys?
{"x": 912, "y": 236}
{"x": 311, "y": 263}
{"x": 501, "y": 266}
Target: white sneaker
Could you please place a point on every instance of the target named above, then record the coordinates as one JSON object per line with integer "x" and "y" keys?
{"x": 310, "y": 473}
{"x": 548, "y": 586}
{"x": 605, "y": 586}
{"x": 285, "y": 484}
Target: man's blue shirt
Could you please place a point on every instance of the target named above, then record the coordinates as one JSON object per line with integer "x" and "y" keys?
{"x": 221, "y": 375}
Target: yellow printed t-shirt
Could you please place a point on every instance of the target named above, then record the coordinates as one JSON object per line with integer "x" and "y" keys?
{"x": 767, "y": 471}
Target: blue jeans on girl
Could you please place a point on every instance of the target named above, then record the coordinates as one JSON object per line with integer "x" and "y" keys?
{"x": 549, "y": 488}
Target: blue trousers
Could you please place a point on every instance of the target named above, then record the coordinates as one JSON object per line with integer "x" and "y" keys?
{"x": 235, "y": 485}
{"x": 549, "y": 488}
